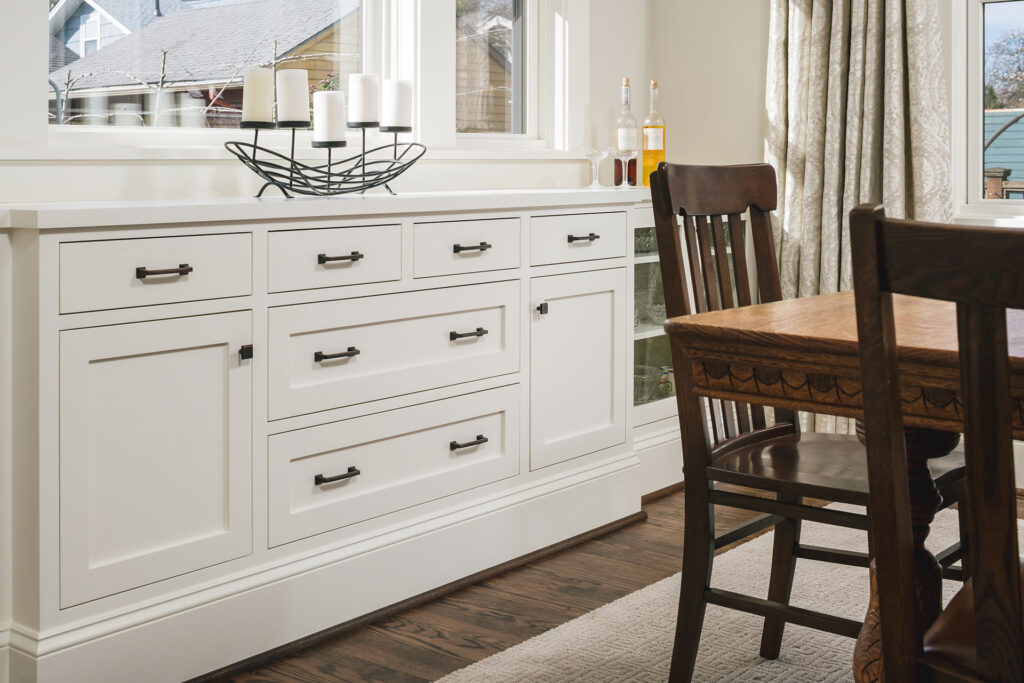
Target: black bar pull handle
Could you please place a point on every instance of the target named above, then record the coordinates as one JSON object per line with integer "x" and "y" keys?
{"x": 543, "y": 308}
{"x": 583, "y": 238}
{"x": 321, "y": 356}
{"x": 142, "y": 272}
{"x": 479, "y": 332}
{"x": 245, "y": 353}
{"x": 458, "y": 248}
{"x": 320, "y": 479}
{"x": 480, "y": 438}
{"x": 324, "y": 258}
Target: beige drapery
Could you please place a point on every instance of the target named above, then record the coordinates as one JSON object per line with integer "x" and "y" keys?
{"x": 858, "y": 111}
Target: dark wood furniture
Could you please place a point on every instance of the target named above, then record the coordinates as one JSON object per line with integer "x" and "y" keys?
{"x": 702, "y": 206}
{"x": 980, "y": 635}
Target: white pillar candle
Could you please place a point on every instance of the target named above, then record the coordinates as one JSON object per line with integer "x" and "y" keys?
{"x": 258, "y": 96}
{"x": 363, "y": 96}
{"x": 396, "y": 104}
{"x": 328, "y": 116}
{"x": 293, "y": 96}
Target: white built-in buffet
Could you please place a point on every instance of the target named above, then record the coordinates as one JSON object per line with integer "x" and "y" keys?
{"x": 237, "y": 423}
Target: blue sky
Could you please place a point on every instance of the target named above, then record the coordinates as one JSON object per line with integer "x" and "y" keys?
{"x": 1002, "y": 17}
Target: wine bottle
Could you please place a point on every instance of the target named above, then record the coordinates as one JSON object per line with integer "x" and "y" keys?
{"x": 653, "y": 138}
{"x": 626, "y": 140}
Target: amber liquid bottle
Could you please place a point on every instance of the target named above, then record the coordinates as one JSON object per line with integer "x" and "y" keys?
{"x": 653, "y": 138}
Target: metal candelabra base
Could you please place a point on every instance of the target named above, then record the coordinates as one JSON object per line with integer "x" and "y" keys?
{"x": 370, "y": 168}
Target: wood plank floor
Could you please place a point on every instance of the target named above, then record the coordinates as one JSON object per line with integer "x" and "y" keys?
{"x": 430, "y": 641}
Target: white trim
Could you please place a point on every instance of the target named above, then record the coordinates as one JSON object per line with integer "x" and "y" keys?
{"x": 110, "y": 17}
{"x": 547, "y": 496}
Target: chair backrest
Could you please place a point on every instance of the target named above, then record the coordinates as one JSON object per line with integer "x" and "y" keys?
{"x": 703, "y": 207}
{"x": 982, "y": 270}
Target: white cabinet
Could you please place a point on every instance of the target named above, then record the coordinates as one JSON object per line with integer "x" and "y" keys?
{"x": 450, "y": 247}
{"x": 333, "y": 257}
{"x": 103, "y": 274}
{"x": 577, "y": 237}
{"x": 338, "y": 353}
{"x": 333, "y": 475}
{"x": 155, "y": 451}
{"x": 577, "y": 370}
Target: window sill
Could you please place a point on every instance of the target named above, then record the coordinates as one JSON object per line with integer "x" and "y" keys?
{"x": 206, "y": 145}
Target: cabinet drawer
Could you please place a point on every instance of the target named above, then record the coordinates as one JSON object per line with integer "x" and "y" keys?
{"x": 561, "y": 239}
{"x": 332, "y": 257}
{"x": 402, "y": 457}
{"x": 118, "y": 273}
{"x": 455, "y": 247}
{"x": 389, "y": 345}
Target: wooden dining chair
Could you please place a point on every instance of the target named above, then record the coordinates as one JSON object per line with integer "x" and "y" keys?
{"x": 980, "y": 634}
{"x": 698, "y": 212}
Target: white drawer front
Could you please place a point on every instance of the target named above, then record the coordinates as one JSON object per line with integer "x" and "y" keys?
{"x": 403, "y": 458}
{"x": 466, "y": 246}
{"x": 332, "y": 257}
{"x": 403, "y": 341}
{"x": 116, "y": 273}
{"x": 561, "y": 239}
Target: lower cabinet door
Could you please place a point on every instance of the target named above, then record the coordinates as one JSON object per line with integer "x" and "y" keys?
{"x": 327, "y": 477}
{"x": 155, "y": 452}
{"x": 578, "y": 367}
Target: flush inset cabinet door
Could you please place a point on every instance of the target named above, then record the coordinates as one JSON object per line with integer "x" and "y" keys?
{"x": 155, "y": 452}
{"x": 578, "y": 350}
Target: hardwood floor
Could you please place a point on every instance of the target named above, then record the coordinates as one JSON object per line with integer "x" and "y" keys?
{"x": 427, "y": 642}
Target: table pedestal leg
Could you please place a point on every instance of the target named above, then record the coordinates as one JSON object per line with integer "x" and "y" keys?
{"x": 922, "y": 445}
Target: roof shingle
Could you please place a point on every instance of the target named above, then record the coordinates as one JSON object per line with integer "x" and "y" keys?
{"x": 207, "y": 44}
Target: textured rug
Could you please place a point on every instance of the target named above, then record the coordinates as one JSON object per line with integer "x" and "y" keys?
{"x": 631, "y": 639}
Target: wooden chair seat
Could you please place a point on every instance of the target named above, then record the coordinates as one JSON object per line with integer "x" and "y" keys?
{"x": 828, "y": 466}
{"x": 949, "y": 645}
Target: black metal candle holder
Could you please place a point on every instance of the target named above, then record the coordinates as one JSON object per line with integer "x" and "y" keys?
{"x": 370, "y": 168}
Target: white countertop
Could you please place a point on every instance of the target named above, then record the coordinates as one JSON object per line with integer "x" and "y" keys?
{"x": 64, "y": 215}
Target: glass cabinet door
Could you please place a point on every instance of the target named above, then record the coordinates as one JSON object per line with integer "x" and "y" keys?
{"x": 653, "y": 379}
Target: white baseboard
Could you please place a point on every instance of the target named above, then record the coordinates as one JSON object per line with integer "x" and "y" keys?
{"x": 661, "y": 455}
{"x": 204, "y": 638}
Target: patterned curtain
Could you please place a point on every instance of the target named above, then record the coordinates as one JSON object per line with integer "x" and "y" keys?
{"x": 858, "y": 111}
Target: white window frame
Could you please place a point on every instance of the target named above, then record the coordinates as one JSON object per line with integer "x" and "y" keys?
{"x": 400, "y": 40}
{"x": 968, "y": 79}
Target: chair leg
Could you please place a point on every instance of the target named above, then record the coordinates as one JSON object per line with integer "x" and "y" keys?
{"x": 961, "y": 512}
{"x": 698, "y": 555}
{"x": 780, "y": 585}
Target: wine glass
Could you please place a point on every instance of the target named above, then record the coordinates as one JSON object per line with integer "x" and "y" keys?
{"x": 624, "y": 156}
{"x": 595, "y": 156}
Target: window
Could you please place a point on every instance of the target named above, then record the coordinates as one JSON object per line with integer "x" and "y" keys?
{"x": 489, "y": 66}
{"x": 180, "y": 63}
{"x": 506, "y": 76}
{"x": 1003, "y": 100}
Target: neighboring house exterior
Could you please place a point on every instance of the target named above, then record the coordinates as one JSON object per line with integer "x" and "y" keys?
{"x": 1004, "y": 156}
{"x": 208, "y": 45}
{"x": 483, "y": 76}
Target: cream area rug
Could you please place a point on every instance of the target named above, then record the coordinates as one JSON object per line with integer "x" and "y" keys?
{"x": 631, "y": 639}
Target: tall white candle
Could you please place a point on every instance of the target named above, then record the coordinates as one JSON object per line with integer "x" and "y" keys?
{"x": 363, "y": 96}
{"x": 396, "y": 104}
{"x": 328, "y": 116}
{"x": 258, "y": 96}
{"x": 293, "y": 96}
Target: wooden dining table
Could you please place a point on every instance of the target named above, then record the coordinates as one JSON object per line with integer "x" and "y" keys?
{"x": 803, "y": 354}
